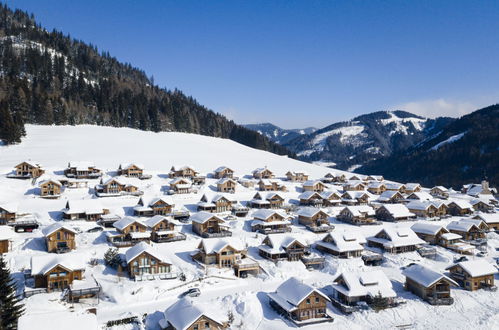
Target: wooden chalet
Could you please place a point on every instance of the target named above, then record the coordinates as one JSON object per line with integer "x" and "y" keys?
{"x": 288, "y": 247}
{"x": 268, "y": 201}
{"x": 116, "y": 187}
{"x": 263, "y": 173}
{"x": 131, "y": 170}
{"x": 412, "y": 188}
{"x": 394, "y": 186}
{"x": 226, "y": 253}
{"x": 440, "y": 192}
{"x": 270, "y": 185}
{"x": 343, "y": 244}
{"x": 298, "y": 176}
{"x": 270, "y": 222}
{"x": 334, "y": 177}
{"x": 223, "y": 172}
{"x": 395, "y": 240}
{"x": 247, "y": 183}
{"x": 459, "y": 207}
{"x": 208, "y": 225}
{"x": 300, "y": 303}
{"x": 153, "y": 206}
{"x": 181, "y": 185}
{"x": 429, "y": 285}
{"x": 129, "y": 231}
{"x": 390, "y": 196}
{"x": 355, "y": 185}
{"x": 314, "y": 185}
{"x": 57, "y": 272}
{"x": 378, "y": 178}
{"x": 420, "y": 195}
{"x": 351, "y": 288}
{"x": 163, "y": 229}
{"x": 50, "y": 188}
{"x": 145, "y": 262}
{"x": 473, "y": 275}
{"x": 7, "y": 235}
{"x": 185, "y": 315}
{"x": 82, "y": 170}
{"x": 216, "y": 204}
{"x": 394, "y": 213}
{"x": 491, "y": 219}
{"x": 8, "y": 213}
{"x": 357, "y": 215}
{"x": 183, "y": 172}
{"x": 429, "y": 232}
{"x": 226, "y": 185}
{"x": 354, "y": 197}
{"x": 59, "y": 238}
{"x": 481, "y": 205}
{"x": 27, "y": 170}
{"x": 314, "y": 219}
{"x": 427, "y": 209}
{"x": 330, "y": 198}
{"x": 376, "y": 187}
{"x": 311, "y": 198}
{"x": 468, "y": 229}
{"x": 476, "y": 190}
{"x": 85, "y": 209}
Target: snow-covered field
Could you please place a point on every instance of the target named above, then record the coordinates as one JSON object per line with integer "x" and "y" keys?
{"x": 54, "y": 146}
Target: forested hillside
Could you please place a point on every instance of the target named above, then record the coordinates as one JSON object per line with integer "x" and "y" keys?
{"x": 50, "y": 78}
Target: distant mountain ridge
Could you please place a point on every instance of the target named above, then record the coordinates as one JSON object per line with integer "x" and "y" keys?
{"x": 277, "y": 134}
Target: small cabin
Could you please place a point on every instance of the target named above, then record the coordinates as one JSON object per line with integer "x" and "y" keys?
{"x": 343, "y": 244}
{"x": 491, "y": 219}
{"x": 393, "y": 186}
{"x": 216, "y": 204}
{"x": 28, "y": 169}
{"x": 353, "y": 197}
{"x": 185, "y": 315}
{"x": 116, "y": 187}
{"x": 394, "y": 213}
{"x": 314, "y": 185}
{"x": 163, "y": 229}
{"x": 390, "y": 196}
{"x": 298, "y": 176}
{"x": 427, "y": 209}
{"x": 473, "y": 275}
{"x": 143, "y": 261}
{"x": 330, "y": 198}
{"x": 181, "y": 185}
{"x": 395, "y": 240}
{"x": 183, "y": 172}
{"x": 412, "y": 188}
{"x": 8, "y": 213}
{"x": 226, "y": 185}
{"x": 50, "y": 188}
{"x": 429, "y": 232}
{"x": 300, "y": 303}
{"x": 153, "y": 206}
{"x": 420, "y": 196}
{"x": 355, "y": 185}
{"x": 440, "y": 192}
{"x": 429, "y": 285}
{"x": 131, "y": 170}
{"x": 469, "y": 230}
{"x": 376, "y": 187}
{"x": 82, "y": 170}
{"x": 57, "y": 272}
{"x": 270, "y": 185}
{"x": 270, "y": 222}
{"x": 263, "y": 173}
{"x": 59, "y": 238}
{"x": 208, "y": 225}
{"x": 481, "y": 206}
{"x": 334, "y": 177}
{"x": 129, "y": 231}
{"x": 268, "y": 201}
{"x": 311, "y": 198}
{"x": 314, "y": 219}
{"x": 85, "y": 209}
{"x": 459, "y": 207}
{"x": 224, "y": 172}
{"x": 357, "y": 215}
{"x": 283, "y": 247}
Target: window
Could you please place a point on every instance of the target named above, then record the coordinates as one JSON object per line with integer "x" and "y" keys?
{"x": 195, "y": 327}
{"x": 206, "y": 325}
{"x": 58, "y": 235}
{"x": 317, "y": 300}
{"x": 308, "y": 301}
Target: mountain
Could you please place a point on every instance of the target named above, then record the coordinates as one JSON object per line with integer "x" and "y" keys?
{"x": 350, "y": 144}
{"x": 277, "y": 134}
{"x": 467, "y": 150}
{"x": 50, "y": 78}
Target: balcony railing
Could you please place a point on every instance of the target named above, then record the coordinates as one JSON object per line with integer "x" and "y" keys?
{"x": 222, "y": 233}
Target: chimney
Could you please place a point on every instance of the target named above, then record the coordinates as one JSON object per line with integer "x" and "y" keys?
{"x": 485, "y": 185}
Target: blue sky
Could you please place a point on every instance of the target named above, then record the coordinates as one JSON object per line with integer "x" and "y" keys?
{"x": 299, "y": 63}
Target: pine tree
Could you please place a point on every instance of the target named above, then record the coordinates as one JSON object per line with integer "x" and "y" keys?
{"x": 9, "y": 131}
{"x": 10, "y": 307}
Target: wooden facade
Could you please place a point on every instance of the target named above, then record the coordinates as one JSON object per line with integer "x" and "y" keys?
{"x": 147, "y": 264}
{"x": 356, "y": 217}
{"x": 82, "y": 171}
{"x": 438, "y": 293}
{"x": 183, "y": 172}
{"x": 469, "y": 282}
{"x": 7, "y": 214}
{"x": 297, "y": 176}
{"x": 61, "y": 239}
{"x": 5, "y": 245}
{"x": 50, "y": 188}
{"x": 263, "y": 173}
{"x": 224, "y": 172}
{"x": 316, "y": 186}
{"x": 131, "y": 170}
{"x": 156, "y": 206}
{"x": 58, "y": 278}
{"x": 28, "y": 170}
{"x": 226, "y": 185}
{"x": 214, "y": 226}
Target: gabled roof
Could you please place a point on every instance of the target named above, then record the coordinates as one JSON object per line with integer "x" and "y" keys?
{"x": 224, "y": 180}
{"x": 9, "y": 207}
{"x": 280, "y": 242}
{"x": 412, "y": 186}
{"x": 153, "y": 221}
{"x": 309, "y": 211}
{"x": 202, "y": 217}
{"x": 425, "y": 276}
{"x": 462, "y": 204}
{"x": 54, "y": 181}
{"x": 460, "y": 225}
{"x": 260, "y": 170}
{"x": 264, "y": 214}
{"x": 183, "y": 313}
{"x": 126, "y": 166}
{"x": 421, "y": 227}
{"x": 55, "y": 227}
{"x": 309, "y": 194}
{"x": 441, "y": 188}
{"x": 89, "y": 206}
{"x": 42, "y": 264}
{"x": 394, "y": 185}
{"x": 422, "y": 196}
{"x": 125, "y": 222}
{"x": 327, "y": 194}
{"x": 292, "y": 292}
{"x": 397, "y": 210}
{"x": 358, "y": 210}
{"x": 397, "y": 236}
{"x": 375, "y": 184}
{"x": 311, "y": 183}
{"x": 488, "y": 217}
{"x": 222, "y": 168}
{"x": 215, "y": 245}
{"x": 361, "y": 284}
{"x": 142, "y": 247}
{"x": 476, "y": 268}
{"x": 344, "y": 241}
{"x": 84, "y": 165}
{"x": 30, "y": 163}
{"x": 180, "y": 180}
{"x": 388, "y": 195}
{"x": 420, "y": 205}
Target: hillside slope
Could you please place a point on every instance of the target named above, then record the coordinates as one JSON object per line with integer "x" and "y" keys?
{"x": 355, "y": 142}
{"x": 50, "y": 78}
{"x": 277, "y": 134}
{"x": 465, "y": 151}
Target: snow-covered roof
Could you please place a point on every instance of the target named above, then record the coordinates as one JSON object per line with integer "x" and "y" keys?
{"x": 412, "y": 186}
{"x": 398, "y": 236}
{"x": 327, "y": 194}
{"x": 421, "y": 195}
{"x": 359, "y": 210}
{"x": 388, "y": 195}
{"x": 398, "y": 210}
{"x": 375, "y": 184}
{"x": 215, "y": 245}
{"x": 292, "y": 292}
{"x": 425, "y": 276}
{"x": 183, "y": 313}
{"x": 142, "y": 247}
{"x": 441, "y": 188}
{"x": 308, "y": 212}
{"x": 58, "y": 321}
{"x": 125, "y": 222}
{"x": 126, "y": 166}
{"x": 427, "y": 228}
{"x": 88, "y": 206}
{"x": 264, "y": 214}
{"x": 84, "y": 165}
{"x": 178, "y": 181}
{"x": 311, "y": 183}
{"x": 344, "y": 241}
{"x": 6, "y": 233}
{"x": 461, "y": 225}
{"x": 57, "y": 182}
{"x": 224, "y": 180}
{"x": 451, "y": 236}
{"x": 9, "y": 207}
{"x": 476, "y": 268}
{"x": 31, "y": 163}
{"x": 151, "y": 222}
{"x": 420, "y": 205}
{"x": 361, "y": 284}
{"x": 223, "y": 168}
{"x": 462, "y": 204}
{"x": 202, "y": 217}
{"x": 394, "y": 185}
{"x": 260, "y": 170}
{"x": 55, "y": 227}
{"x": 308, "y": 194}
{"x": 280, "y": 242}
{"x": 488, "y": 218}
{"x": 41, "y": 264}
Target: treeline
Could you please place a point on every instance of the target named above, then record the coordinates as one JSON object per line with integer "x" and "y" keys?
{"x": 50, "y": 78}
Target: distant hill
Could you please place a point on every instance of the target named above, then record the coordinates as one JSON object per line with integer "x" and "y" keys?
{"x": 351, "y": 144}
{"x": 277, "y": 134}
{"x": 50, "y": 78}
{"x": 467, "y": 150}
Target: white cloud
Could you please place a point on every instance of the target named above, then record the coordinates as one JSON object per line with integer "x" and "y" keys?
{"x": 438, "y": 108}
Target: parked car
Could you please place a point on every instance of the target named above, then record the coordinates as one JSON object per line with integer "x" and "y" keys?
{"x": 95, "y": 229}
{"x": 194, "y": 292}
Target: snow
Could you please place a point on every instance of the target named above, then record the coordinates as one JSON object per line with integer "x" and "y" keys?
{"x": 63, "y": 321}
{"x": 425, "y": 276}
{"x": 453, "y": 138}
{"x": 401, "y": 123}
{"x": 476, "y": 268}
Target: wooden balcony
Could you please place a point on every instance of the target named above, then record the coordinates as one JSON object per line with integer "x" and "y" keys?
{"x": 222, "y": 233}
